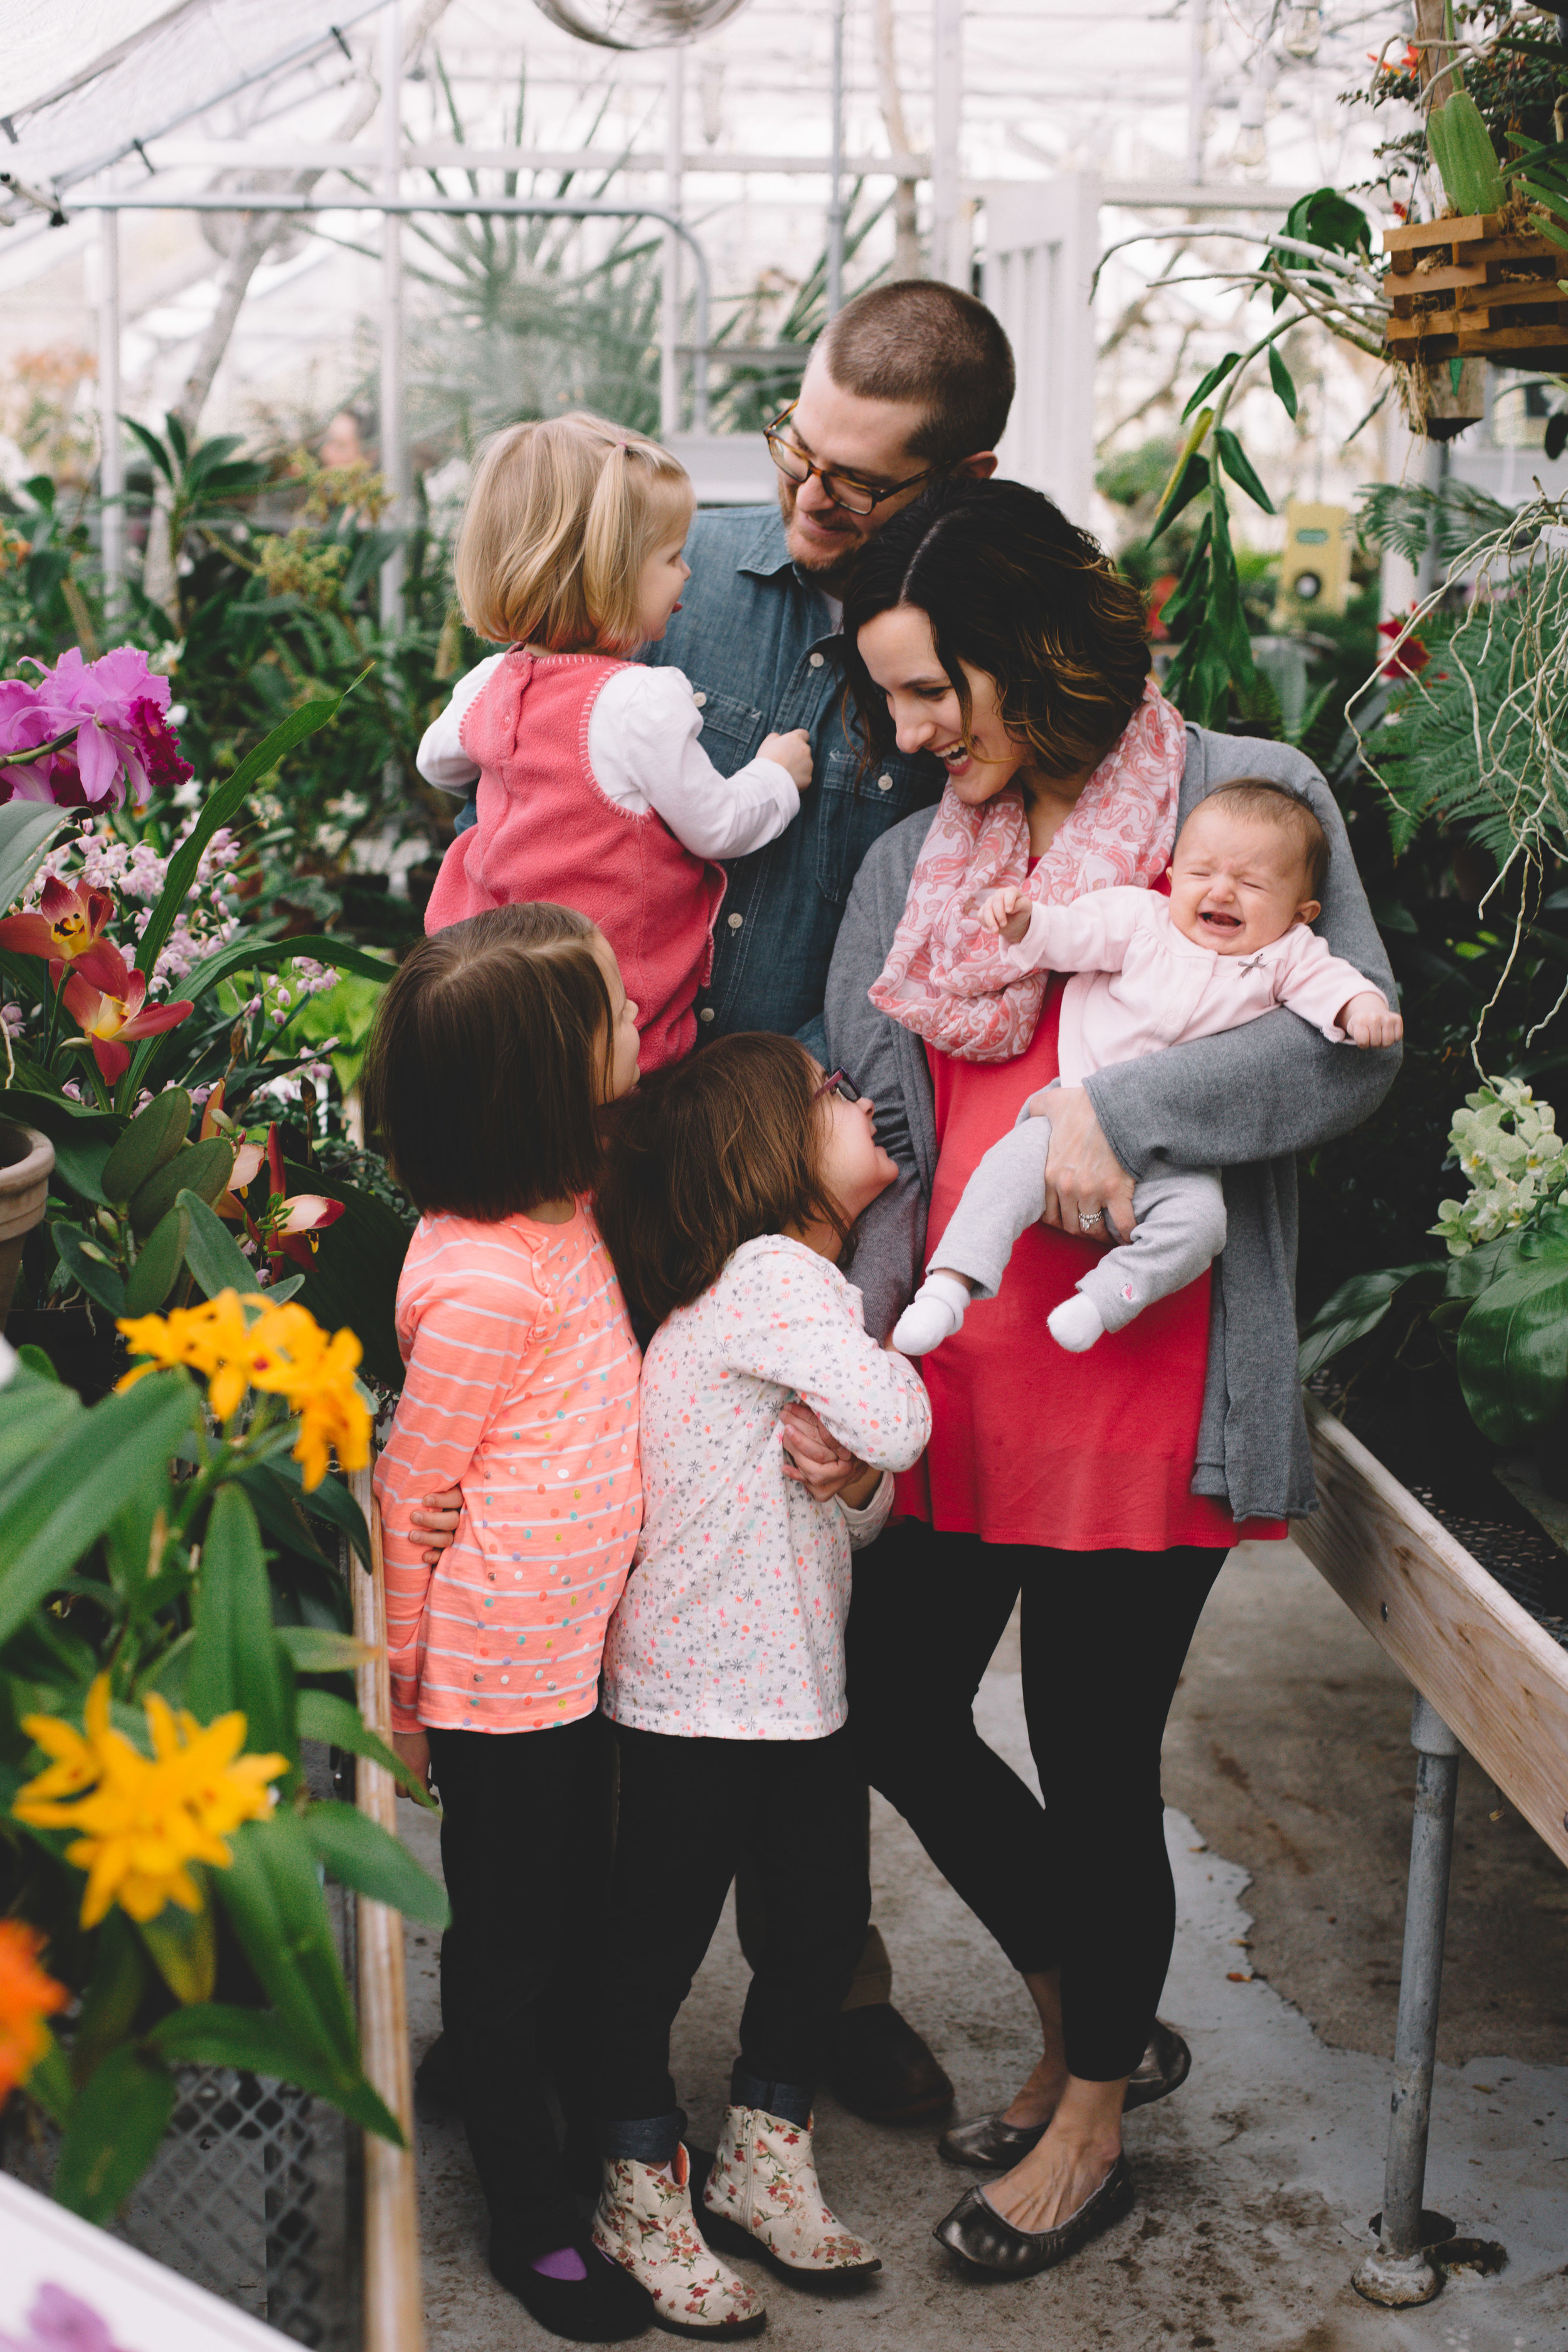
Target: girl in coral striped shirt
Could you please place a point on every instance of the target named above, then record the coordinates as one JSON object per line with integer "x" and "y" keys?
{"x": 498, "y": 1043}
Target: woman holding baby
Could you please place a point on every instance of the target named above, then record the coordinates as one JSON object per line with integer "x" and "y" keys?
{"x": 1229, "y": 1004}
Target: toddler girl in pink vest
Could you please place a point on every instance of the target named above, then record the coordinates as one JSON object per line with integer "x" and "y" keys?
{"x": 594, "y": 789}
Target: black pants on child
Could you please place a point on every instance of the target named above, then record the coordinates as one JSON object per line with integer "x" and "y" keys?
{"x": 525, "y": 1850}
{"x": 1083, "y": 1884}
{"x": 688, "y": 1809}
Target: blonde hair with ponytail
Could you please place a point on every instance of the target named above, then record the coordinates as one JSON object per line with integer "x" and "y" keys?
{"x": 561, "y": 518}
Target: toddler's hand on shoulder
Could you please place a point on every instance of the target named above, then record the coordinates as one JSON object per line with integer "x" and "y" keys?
{"x": 1006, "y": 911}
{"x": 1367, "y": 1021}
{"x": 792, "y": 751}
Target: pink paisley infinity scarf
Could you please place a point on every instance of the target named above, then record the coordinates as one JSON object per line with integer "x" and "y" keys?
{"x": 956, "y": 985}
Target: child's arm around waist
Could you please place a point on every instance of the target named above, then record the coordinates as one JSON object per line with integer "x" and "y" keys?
{"x": 787, "y": 1314}
{"x": 471, "y": 1324}
{"x": 644, "y": 747}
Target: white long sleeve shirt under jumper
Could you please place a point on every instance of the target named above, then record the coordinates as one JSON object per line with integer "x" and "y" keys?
{"x": 644, "y": 750}
{"x": 732, "y": 1624}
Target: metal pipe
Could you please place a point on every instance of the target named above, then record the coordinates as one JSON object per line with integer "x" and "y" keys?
{"x": 948, "y": 260}
{"x": 1399, "y": 2273}
{"x": 670, "y": 290}
{"x": 393, "y": 458}
{"x": 836, "y": 200}
{"x": 111, "y": 444}
{"x": 1197, "y": 89}
{"x": 521, "y": 207}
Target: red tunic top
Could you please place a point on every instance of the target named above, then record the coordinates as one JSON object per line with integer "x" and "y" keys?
{"x": 1030, "y": 1445}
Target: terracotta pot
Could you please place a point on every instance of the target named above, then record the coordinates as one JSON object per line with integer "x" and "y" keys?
{"x": 26, "y": 1163}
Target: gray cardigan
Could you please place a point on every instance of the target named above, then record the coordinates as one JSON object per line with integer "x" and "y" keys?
{"x": 1245, "y": 1101}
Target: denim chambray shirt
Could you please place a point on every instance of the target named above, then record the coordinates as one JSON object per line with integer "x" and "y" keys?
{"x": 756, "y": 642}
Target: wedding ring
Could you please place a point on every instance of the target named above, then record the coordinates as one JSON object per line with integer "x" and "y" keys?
{"x": 1093, "y": 1218}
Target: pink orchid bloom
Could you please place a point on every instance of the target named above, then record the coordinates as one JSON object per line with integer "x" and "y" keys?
{"x": 123, "y": 743}
{"x": 292, "y": 1225}
{"x": 111, "y": 1006}
{"x": 69, "y": 923}
{"x": 249, "y": 1158}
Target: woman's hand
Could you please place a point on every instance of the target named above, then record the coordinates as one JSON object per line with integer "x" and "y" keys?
{"x": 436, "y": 1516}
{"x": 819, "y": 1462}
{"x": 413, "y": 1749}
{"x": 1084, "y": 1179}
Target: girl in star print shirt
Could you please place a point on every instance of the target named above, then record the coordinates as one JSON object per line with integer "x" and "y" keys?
{"x": 499, "y": 1042}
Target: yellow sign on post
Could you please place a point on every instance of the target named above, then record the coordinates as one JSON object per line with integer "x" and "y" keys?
{"x": 1315, "y": 569}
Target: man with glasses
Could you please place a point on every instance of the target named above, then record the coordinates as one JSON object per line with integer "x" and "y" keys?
{"x": 909, "y": 382}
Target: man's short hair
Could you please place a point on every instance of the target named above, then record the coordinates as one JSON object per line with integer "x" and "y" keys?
{"x": 919, "y": 341}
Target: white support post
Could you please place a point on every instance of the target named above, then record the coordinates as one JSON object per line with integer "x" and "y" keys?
{"x": 394, "y": 448}
{"x": 1042, "y": 244}
{"x": 111, "y": 444}
{"x": 949, "y": 221}
{"x": 669, "y": 417}
{"x": 835, "y": 201}
{"x": 1197, "y": 89}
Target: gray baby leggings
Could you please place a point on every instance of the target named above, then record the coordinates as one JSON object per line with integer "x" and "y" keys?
{"x": 1180, "y": 1219}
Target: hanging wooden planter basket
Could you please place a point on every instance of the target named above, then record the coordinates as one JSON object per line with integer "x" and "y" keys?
{"x": 1475, "y": 286}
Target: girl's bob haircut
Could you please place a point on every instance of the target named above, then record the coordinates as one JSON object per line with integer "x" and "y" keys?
{"x": 561, "y": 518}
{"x": 1012, "y": 588}
{"x": 489, "y": 1060}
{"x": 708, "y": 1154}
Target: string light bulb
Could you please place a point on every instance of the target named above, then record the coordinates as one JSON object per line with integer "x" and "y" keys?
{"x": 1303, "y": 31}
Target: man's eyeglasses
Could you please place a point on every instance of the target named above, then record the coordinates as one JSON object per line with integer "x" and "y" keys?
{"x": 855, "y": 496}
{"x": 839, "y": 1083}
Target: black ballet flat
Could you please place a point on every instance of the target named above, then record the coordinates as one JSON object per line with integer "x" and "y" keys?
{"x": 977, "y": 2234}
{"x": 992, "y": 2145}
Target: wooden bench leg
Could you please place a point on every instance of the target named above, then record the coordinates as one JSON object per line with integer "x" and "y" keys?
{"x": 1399, "y": 2272}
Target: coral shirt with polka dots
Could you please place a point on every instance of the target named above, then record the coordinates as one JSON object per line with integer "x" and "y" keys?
{"x": 521, "y": 1388}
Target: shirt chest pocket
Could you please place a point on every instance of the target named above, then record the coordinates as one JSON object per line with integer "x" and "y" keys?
{"x": 731, "y": 729}
{"x": 859, "y": 805}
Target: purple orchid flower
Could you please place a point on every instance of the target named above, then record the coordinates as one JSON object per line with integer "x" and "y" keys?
{"x": 122, "y": 745}
{"x": 61, "y": 2321}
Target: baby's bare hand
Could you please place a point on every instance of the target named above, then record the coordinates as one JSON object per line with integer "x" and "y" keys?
{"x": 792, "y": 751}
{"x": 1007, "y": 912}
{"x": 1367, "y": 1021}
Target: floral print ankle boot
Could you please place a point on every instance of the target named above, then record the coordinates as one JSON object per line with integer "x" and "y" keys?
{"x": 644, "y": 2221}
{"x": 764, "y": 2182}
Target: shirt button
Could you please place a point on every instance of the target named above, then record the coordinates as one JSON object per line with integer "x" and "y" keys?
{"x": 735, "y": 922}
{"x": 884, "y": 783}
{"x": 701, "y": 701}
{"x": 816, "y": 661}
{"x": 706, "y": 1013}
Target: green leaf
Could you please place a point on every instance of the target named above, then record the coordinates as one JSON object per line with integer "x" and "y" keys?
{"x": 259, "y": 2043}
{"x": 251, "y": 954}
{"x": 218, "y": 807}
{"x": 336, "y": 1724}
{"x": 60, "y": 1505}
{"x": 352, "y": 1278}
{"x": 83, "y": 1139}
{"x": 213, "y": 1254}
{"x": 153, "y": 446}
{"x": 159, "y": 1265}
{"x": 331, "y": 1502}
{"x": 183, "y": 1946}
{"x": 116, "y": 2124}
{"x": 49, "y": 2082}
{"x": 236, "y": 1661}
{"x": 274, "y": 1900}
{"x": 1282, "y": 380}
{"x": 202, "y": 1167}
{"x": 1216, "y": 375}
{"x": 1192, "y": 478}
{"x": 322, "y": 1650}
{"x": 1239, "y": 466}
{"x": 103, "y": 1284}
{"x": 1356, "y": 1307}
{"x": 153, "y": 1136}
{"x": 1513, "y": 1352}
{"x": 33, "y": 1414}
{"x": 26, "y": 829}
{"x": 112, "y": 1998}
{"x": 363, "y": 1855}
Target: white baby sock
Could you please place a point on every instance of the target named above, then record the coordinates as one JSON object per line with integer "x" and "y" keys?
{"x": 1074, "y": 1324}
{"x": 933, "y": 1315}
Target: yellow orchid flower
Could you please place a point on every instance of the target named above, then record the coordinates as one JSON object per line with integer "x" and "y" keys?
{"x": 282, "y": 1351}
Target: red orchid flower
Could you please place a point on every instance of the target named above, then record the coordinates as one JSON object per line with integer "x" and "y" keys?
{"x": 291, "y": 1224}
{"x": 1407, "y": 658}
{"x": 108, "y": 1000}
{"x": 248, "y": 1158}
{"x": 68, "y": 922}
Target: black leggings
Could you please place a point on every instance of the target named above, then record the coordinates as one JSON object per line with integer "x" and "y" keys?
{"x": 688, "y": 1809}
{"x": 1084, "y": 1885}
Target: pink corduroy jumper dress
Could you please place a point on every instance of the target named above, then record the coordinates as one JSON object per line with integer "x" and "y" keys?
{"x": 547, "y": 830}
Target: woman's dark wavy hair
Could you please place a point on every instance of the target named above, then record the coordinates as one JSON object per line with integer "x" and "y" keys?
{"x": 1010, "y": 586}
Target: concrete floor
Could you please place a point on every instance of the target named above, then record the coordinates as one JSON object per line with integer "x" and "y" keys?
{"x": 1288, "y": 1757}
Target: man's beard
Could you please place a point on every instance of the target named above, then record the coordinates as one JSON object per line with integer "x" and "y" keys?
{"x": 828, "y": 574}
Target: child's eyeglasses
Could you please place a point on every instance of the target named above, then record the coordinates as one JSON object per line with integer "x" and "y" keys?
{"x": 838, "y": 1083}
